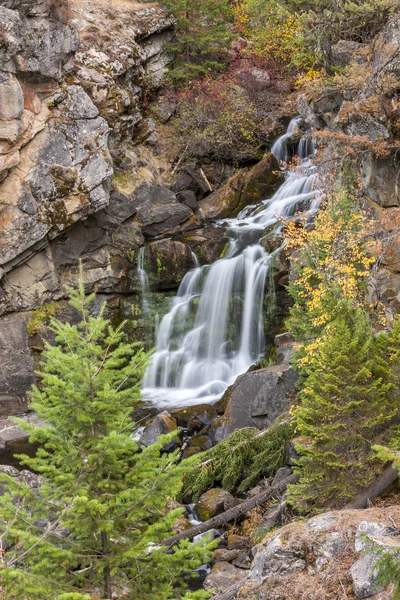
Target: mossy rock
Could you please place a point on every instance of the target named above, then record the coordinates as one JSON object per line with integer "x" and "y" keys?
{"x": 205, "y": 413}
{"x": 213, "y": 502}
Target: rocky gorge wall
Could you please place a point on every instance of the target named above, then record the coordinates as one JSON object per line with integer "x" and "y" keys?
{"x": 355, "y": 116}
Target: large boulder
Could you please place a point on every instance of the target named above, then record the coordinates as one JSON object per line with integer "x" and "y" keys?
{"x": 248, "y": 186}
{"x": 315, "y": 558}
{"x": 223, "y": 576}
{"x": 158, "y": 210}
{"x": 256, "y": 399}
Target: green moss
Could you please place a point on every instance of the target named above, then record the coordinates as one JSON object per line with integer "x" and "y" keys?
{"x": 39, "y": 317}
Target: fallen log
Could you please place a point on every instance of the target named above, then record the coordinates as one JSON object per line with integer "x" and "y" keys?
{"x": 383, "y": 481}
{"x": 232, "y": 513}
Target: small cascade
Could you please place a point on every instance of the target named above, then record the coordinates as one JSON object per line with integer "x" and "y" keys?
{"x": 145, "y": 294}
{"x": 284, "y": 149}
{"x": 214, "y": 330}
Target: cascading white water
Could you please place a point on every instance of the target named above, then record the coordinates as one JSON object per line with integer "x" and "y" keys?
{"x": 214, "y": 330}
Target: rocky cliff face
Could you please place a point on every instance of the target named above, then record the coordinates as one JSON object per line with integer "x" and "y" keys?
{"x": 72, "y": 79}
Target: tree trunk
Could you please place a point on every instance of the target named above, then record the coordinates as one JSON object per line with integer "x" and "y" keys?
{"x": 107, "y": 572}
{"x": 388, "y": 477}
{"x": 232, "y": 513}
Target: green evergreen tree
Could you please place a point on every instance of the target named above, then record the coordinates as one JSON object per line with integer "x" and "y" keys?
{"x": 345, "y": 404}
{"x": 94, "y": 528}
{"x": 202, "y": 37}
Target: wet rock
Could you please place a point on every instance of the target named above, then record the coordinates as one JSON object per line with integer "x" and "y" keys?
{"x": 223, "y": 576}
{"x": 204, "y": 413}
{"x": 181, "y": 525}
{"x": 168, "y": 261}
{"x": 256, "y": 399}
{"x": 161, "y": 425}
{"x": 158, "y": 210}
{"x": 213, "y": 502}
{"x": 248, "y": 186}
{"x": 208, "y": 244}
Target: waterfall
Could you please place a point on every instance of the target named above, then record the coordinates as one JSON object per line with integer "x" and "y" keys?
{"x": 214, "y": 330}
{"x": 283, "y": 150}
{"x": 145, "y": 296}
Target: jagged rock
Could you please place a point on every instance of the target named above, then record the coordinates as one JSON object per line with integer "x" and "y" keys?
{"x": 284, "y": 343}
{"x": 346, "y": 52}
{"x": 191, "y": 179}
{"x": 213, "y": 502}
{"x": 386, "y": 60}
{"x": 256, "y": 399}
{"x": 319, "y": 112}
{"x": 59, "y": 179}
{"x": 364, "y": 576}
{"x": 379, "y": 179}
{"x": 158, "y": 210}
{"x": 248, "y": 186}
{"x": 223, "y": 576}
{"x": 33, "y": 480}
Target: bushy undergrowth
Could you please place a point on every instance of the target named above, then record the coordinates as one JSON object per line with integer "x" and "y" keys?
{"x": 239, "y": 461}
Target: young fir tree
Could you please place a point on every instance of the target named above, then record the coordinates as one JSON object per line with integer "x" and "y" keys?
{"x": 202, "y": 37}
{"x": 345, "y": 404}
{"x": 94, "y": 528}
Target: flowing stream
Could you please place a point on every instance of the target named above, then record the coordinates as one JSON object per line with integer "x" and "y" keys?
{"x": 214, "y": 330}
